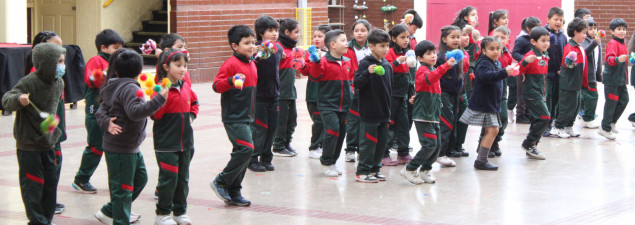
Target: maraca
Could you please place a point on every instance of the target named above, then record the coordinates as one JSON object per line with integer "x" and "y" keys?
{"x": 456, "y": 54}
{"x": 411, "y": 59}
{"x": 313, "y": 54}
{"x": 572, "y": 57}
{"x": 379, "y": 70}
{"x": 601, "y": 33}
{"x": 238, "y": 81}
{"x": 50, "y": 123}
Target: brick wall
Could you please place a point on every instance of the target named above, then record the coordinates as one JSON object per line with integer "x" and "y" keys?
{"x": 374, "y": 15}
{"x": 603, "y": 11}
{"x": 204, "y": 25}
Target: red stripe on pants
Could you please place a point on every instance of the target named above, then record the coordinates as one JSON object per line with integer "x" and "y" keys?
{"x": 127, "y": 187}
{"x": 241, "y": 142}
{"x": 336, "y": 134}
{"x": 447, "y": 123}
{"x": 354, "y": 112}
{"x": 58, "y": 153}
{"x": 371, "y": 138}
{"x": 614, "y": 97}
{"x": 545, "y": 117}
{"x": 433, "y": 136}
{"x": 97, "y": 152}
{"x": 168, "y": 167}
{"x": 260, "y": 123}
{"x": 593, "y": 89}
{"x": 34, "y": 178}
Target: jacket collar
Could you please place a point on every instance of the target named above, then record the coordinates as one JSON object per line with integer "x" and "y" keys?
{"x": 538, "y": 53}
{"x": 355, "y": 46}
{"x": 330, "y": 58}
{"x": 104, "y": 55}
{"x": 620, "y": 40}
{"x": 241, "y": 57}
{"x": 286, "y": 41}
{"x": 399, "y": 50}
{"x": 573, "y": 43}
{"x": 552, "y": 30}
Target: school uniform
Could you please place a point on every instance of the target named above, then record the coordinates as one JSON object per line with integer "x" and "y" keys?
{"x": 411, "y": 88}
{"x": 399, "y": 122}
{"x": 615, "y": 80}
{"x": 522, "y": 45}
{"x": 461, "y": 128}
{"x": 534, "y": 93}
{"x": 355, "y": 53}
{"x": 506, "y": 60}
{"x": 485, "y": 104}
{"x": 317, "y": 128}
{"x": 571, "y": 81}
{"x": 451, "y": 85}
{"x": 557, "y": 42}
{"x": 288, "y": 113}
{"x": 590, "y": 96}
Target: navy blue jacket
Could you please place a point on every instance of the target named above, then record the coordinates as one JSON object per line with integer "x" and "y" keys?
{"x": 373, "y": 91}
{"x": 488, "y": 85}
{"x": 268, "y": 75}
{"x": 522, "y": 45}
{"x": 452, "y": 81}
{"x": 558, "y": 41}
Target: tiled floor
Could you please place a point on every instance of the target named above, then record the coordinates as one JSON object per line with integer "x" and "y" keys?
{"x": 586, "y": 180}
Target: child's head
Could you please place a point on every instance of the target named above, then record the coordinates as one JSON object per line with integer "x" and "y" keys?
{"x": 128, "y": 64}
{"x": 555, "y": 18}
{"x": 450, "y": 38}
{"x": 416, "y": 22}
{"x": 593, "y": 28}
{"x": 582, "y": 13}
{"x": 170, "y": 41}
{"x": 46, "y": 37}
{"x": 476, "y": 35}
{"x": 266, "y": 28}
{"x": 289, "y": 27}
{"x": 335, "y": 41}
{"x": 529, "y": 23}
{"x": 502, "y": 33}
{"x": 466, "y": 16}
{"x": 465, "y": 35}
{"x": 108, "y": 41}
{"x": 577, "y": 30}
{"x": 318, "y": 35}
{"x": 426, "y": 53}
{"x": 540, "y": 38}
{"x": 491, "y": 47}
{"x": 110, "y": 72}
{"x": 498, "y": 18}
{"x": 241, "y": 40}
{"x": 172, "y": 64}
{"x": 618, "y": 28}
{"x": 378, "y": 42}
{"x": 46, "y": 58}
{"x": 361, "y": 28}
{"x": 400, "y": 36}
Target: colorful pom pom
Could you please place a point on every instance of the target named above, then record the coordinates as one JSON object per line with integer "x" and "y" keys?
{"x": 313, "y": 54}
{"x": 297, "y": 53}
{"x": 157, "y": 88}
{"x": 143, "y": 77}
{"x": 149, "y": 91}
{"x": 239, "y": 84}
{"x": 150, "y": 83}
{"x": 148, "y": 47}
{"x": 411, "y": 59}
{"x": 602, "y": 33}
{"x": 379, "y": 70}
{"x": 166, "y": 83}
{"x": 50, "y": 123}
{"x": 408, "y": 18}
{"x": 456, "y": 54}
{"x": 139, "y": 93}
{"x": 571, "y": 59}
{"x": 297, "y": 64}
{"x": 632, "y": 58}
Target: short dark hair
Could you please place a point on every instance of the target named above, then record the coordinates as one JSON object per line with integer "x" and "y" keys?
{"x": 423, "y": 47}
{"x": 41, "y": 37}
{"x": 361, "y": 21}
{"x": 377, "y": 36}
{"x": 529, "y": 23}
{"x": 237, "y": 33}
{"x": 581, "y": 12}
{"x": 110, "y": 72}
{"x": 487, "y": 40}
{"x": 591, "y": 23}
{"x": 287, "y": 24}
{"x": 538, "y": 32}
{"x": 264, "y": 23}
{"x": 495, "y": 15}
{"x": 555, "y": 11}
{"x": 163, "y": 59}
{"x": 576, "y": 24}
{"x": 323, "y": 28}
{"x": 108, "y": 37}
{"x": 416, "y": 20}
{"x": 617, "y": 22}
{"x": 445, "y": 32}
{"x": 331, "y": 36}
{"x": 128, "y": 64}
{"x": 504, "y": 30}
{"x": 168, "y": 40}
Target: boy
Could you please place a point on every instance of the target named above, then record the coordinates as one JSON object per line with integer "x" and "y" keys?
{"x": 558, "y": 39}
{"x": 413, "y": 26}
{"x": 593, "y": 51}
{"x": 333, "y": 73}
{"x": 373, "y": 96}
{"x": 534, "y": 68}
{"x": 35, "y": 150}
{"x": 522, "y": 45}
{"x": 107, "y": 42}
{"x": 266, "y": 108}
{"x": 237, "y": 118}
{"x": 427, "y": 113}
{"x": 615, "y": 79}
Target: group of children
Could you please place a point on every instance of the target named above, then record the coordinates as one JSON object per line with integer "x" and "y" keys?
{"x": 369, "y": 92}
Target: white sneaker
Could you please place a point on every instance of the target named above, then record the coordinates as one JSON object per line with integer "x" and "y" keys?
{"x": 314, "y": 154}
{"x": 590, "y": 125}
{"x": 103, "y": 218}
{"x": 613, "y": 130}
{"x": 350, "y": 157}
{"x": 330, "y": 171}
{"x": 164, "y": 220}
{"x": 339, "y": 171}
{"x": 561, "y": 133}
{"x": 606, "y": 134}
{"x": 554, "y": 131}
{"x": 134, "y": 217}
{"x": 319, "y": 150}
{"x": 571, "y": 132}
{"x": 446, "y": 161}
{"x": 427, "y": 177}
{"x": 510, "y": 115}
{"x": 182, "y": 220}
{"x": 411, "y": 176}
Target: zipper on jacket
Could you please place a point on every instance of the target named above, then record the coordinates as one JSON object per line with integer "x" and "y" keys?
{"x": 182, "y": 128}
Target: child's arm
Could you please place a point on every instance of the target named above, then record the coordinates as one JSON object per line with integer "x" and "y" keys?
{"x": 612, "y": 55}
{"x": 431, "y": 77}
{"x": 525, "y": 62}
{"x": 466, "y": 62}
{"x": 11, "y": 100}
{"x": 193, "y": 105}
{"x": 485, "y": 74}
{"x": 135, "y": 108}
{"x": 317, "y": 70}
{"x": 92, "y": 67}
{"x": 519, "y": 48}
{"x": 589, "y": 49}
{"x": 363, "y": 73}
{"x": 223, "y": 81}
{"x": 306, "y": 69}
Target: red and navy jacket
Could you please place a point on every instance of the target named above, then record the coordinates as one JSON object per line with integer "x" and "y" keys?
{"x": 615, "y": 73}
{"x": 334, "y": 83}
{"x": 427, "y": 106}
{"x": 573, "y": 79}
{"x": 401, "y": 76}
{"x": 172, "y": 129}
{"x": 287, "y": 75}
{"x": 535, "y": 83}
{"x": 237, "y": 105}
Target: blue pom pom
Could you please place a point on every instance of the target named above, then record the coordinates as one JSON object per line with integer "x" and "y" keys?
{"x": 313, "y": 54}
{"x": 456, "y": 54}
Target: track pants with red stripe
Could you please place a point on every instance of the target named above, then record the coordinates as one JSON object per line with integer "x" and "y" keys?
{"x": 93, "y": 151}
{"x": 353, "y": 127}
{"x": 449, "y": 120}
{"x": 173, "y": 187}
{"x": 589, "y": 101}
{"x": 430, "y": 140}
{"x": 231, "y": 177}
{"x": 263, "y": 129}
{"x": 38, "y": 184}
{"x": 373, "y": 138}
{"x": 399, "y": 129}
{"x": 616, "y": 101}
{"x": 334, "y": 133}
{"x": 568, "y": 107}
{"x": 127, "y": 176}
{"x": 539, "y": 117}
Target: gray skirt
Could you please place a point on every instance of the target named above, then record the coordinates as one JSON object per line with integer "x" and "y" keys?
{"x": 482, "y": 119}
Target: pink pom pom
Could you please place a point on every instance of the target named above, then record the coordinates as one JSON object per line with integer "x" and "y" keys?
{"x": 148, "y": 47}
{"x": 297, "y": 63}
{"x": 139, "y": 93}
{"x": 143, "y": 77}
{"x": 297, "y": 53}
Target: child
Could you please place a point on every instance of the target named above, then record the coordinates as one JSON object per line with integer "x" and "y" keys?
{"x": 357, "y": 50}
{"x": 572, "y": 79}
{"x": 534, "y": 68}
{"x": 497, "y": 18}
{"x": 593, "y": 50}
{"x": 333, "y": 73}
{"x": 35, "y": 149}
{"x": 467, "y": 16}
{"x": 173, "y": 41}
{"x": 374, "y": 107}
{"x": 615, "y": 79}
{"x": 317, "y": 129}
{"x": 266, "y": 107}
{"x": 236, "y": 118}
{"x": 522, "y": 45}
{"x": 399, "y": 127}
{"x": 427, "y": 113}
{"x": 288, "y": 114}
{"x": 484, "y": 105}
{"x": 107, "y": 42}
{"x": 558, "y": 39}
{"x": 174, "y": 152}
{"x": 583, "y": 13}
{"x": 123, "y": 115}
{"x": 413, "y": 26}
{"x": 461, "y": 128}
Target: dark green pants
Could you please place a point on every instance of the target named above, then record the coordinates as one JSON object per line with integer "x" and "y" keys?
{"x": 540, "y": 118}
{"x": 353, "y": 127}
{"x": 430, "y": 140}
{"x": 58, "y": 159}
{"x": 335, "y": 131}
{"x": 372, "y": 142}
{"x": 553, "y": 94}
{"x": 399, "y": 127}
{"x": 263, "y": 128}
{"x": 317, "y": 129}
{"x": 92, "y": 153}
{"x": 449, "y": 120}
{"x": 521, "y": 106}
{"x": 173, "y": 185}
{"x": 38, "y": 185}
{"x": 504, "y": 121}
{"x": 232, "y": 176}
{"x": 512, "y": 94}
{"x": 287, "y": 121}
{"x": 589, "y": 102}
{"x": 568, "y": 107}
{"x": 616, "y": 101}
{"x": 461, "y": 128}
{"x": 411, "y": 107}
{"x": 127, "y": 177}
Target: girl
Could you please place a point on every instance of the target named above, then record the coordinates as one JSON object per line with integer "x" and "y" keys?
{"x": 522, "y": 45}
{"x": 467, "y": 16}
{"x": 357, "y": 50}
{"x": 484, "y": 105}
{"x": 288, "y": 114}
{"x": 498, "y": 18}
{"x": 174, "y": 152}
{"x": 399, "y": 126}
{"x": 466, "y": 91}
{"x": 173, "y": 41}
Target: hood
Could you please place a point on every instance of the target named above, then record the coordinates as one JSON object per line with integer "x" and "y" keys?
{"x": 45, "y": 56}
{"x": 114, "y": 86}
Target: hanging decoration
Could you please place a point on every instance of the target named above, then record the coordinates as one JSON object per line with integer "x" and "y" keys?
{"x": 360, "y": 9}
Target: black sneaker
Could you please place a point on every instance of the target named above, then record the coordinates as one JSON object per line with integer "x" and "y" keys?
{"x": 289, "y": 148}
{"x": 238, "y": 201}
{"x": 455, "y": 154}
{"x": 59, "y": 208}
{"x": 84, "y": 188}
{"x": 463, "y": 152}
{"x": 522, "y": 119}
{"x": 484, "y": 165}
{"x": 256, "y": 167}
{"x": 533, "y": 153}
{"x": 284, "y": 153}
{"x": 220, "y": 191}
{"x": 268, "y": 166}
{"x": 496, "y": 149}
{"x": 547, "y": 132}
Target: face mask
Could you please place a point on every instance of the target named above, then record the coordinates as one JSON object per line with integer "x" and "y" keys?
{"x": 60, "y": 71}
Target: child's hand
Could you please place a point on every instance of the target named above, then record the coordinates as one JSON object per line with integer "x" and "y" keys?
{"x": 24, "y": 99}
{"x": 509, "y": 70}
{"x": 451, "y": 61}
{"x": 597, "y": 39}
{"x": 371, "y": 69}
{"x": 412, "y": 99}
{"x": 622, "y": 58}
{"x": 164, "y": 93}
{"x": 530, "y": 59}
{"x": 401, "y": 59}
{"x": 284, "y": 56}
{"x": 113, "y": 128}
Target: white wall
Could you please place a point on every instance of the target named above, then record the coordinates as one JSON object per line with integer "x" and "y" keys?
{"x": 422, "y": 7}
{"x": 13, "y": 21}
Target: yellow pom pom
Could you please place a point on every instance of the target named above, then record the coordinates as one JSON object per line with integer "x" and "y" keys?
{"x": 149, "y": 91}
{"x": 150, "y": 83}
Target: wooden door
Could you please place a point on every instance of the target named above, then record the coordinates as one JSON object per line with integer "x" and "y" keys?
{"x": 57, "y": 16}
